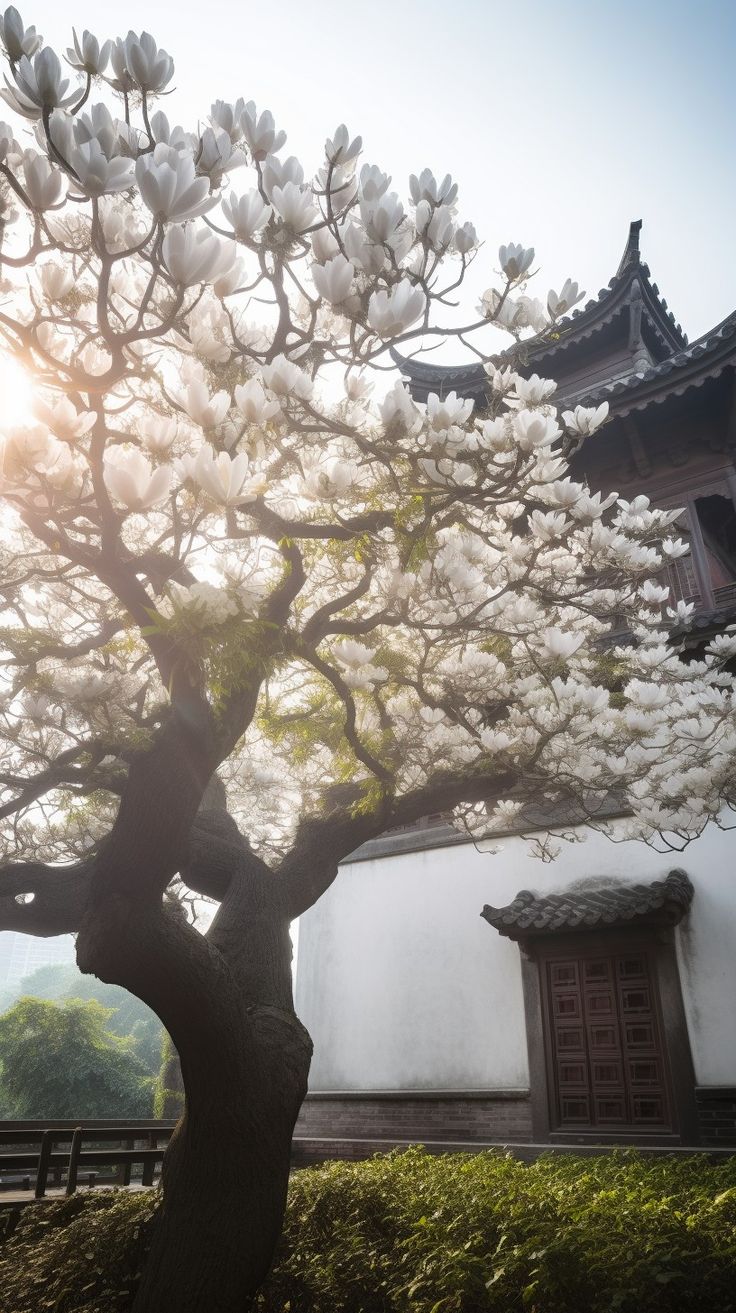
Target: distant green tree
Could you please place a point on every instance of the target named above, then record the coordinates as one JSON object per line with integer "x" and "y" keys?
{"x": 128, "y": 1015}
{"x": 59, "y": 1060}
{"x": 52, "y": 981}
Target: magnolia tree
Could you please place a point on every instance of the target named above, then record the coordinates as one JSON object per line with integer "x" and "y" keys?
{"x": 259, "y": 606}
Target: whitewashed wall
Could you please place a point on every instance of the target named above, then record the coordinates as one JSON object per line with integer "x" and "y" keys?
{"x": 403, "y": 985}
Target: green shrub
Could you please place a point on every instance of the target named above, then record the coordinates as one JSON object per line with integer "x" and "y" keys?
{"x": 411, "y": 1233}
{"x": 81, "y": 1255}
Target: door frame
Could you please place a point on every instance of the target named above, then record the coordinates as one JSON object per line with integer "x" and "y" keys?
{"x": 659, "y": 944}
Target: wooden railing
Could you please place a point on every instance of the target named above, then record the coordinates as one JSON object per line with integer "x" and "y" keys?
{"x": 58, "y": 1154}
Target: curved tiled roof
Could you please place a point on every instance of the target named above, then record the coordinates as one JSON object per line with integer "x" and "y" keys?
{"x": 706, "y": 358}
{"x": 595, "y": 908}
{"x": 681, "y": 367}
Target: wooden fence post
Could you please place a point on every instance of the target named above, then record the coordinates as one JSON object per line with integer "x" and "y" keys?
{"x": 42, "y": 1171}
{"x": 72, "y": 1169}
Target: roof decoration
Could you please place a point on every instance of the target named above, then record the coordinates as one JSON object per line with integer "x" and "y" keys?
{"x": 602, "y": 907}
{"x": 650, "y": 358}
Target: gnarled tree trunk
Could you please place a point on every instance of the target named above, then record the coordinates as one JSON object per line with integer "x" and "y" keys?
{"x": 226, "y": 1170}
{"x": 226, "y": 1000}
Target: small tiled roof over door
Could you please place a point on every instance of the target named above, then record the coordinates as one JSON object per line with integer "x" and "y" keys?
{"x": 598, "y": 907}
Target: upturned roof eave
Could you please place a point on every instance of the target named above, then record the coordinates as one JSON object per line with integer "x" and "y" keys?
{"x": 576, "y": 328}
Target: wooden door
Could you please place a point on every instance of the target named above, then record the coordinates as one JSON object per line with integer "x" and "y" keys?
{"x": 605, "y": 1044}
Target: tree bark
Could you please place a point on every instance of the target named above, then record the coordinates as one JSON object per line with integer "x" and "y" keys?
{"x": 226, "y": 1171}
{"x": 226, "y": 1001}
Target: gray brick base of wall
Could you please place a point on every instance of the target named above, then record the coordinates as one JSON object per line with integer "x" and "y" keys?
{"x": 500, "y": 1116}
{"x": 717, "y": 1115}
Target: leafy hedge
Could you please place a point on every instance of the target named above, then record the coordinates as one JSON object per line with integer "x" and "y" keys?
{"x": 411, "y": 1233}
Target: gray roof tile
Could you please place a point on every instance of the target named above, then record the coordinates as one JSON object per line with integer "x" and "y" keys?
{"x": 598, "y": 907}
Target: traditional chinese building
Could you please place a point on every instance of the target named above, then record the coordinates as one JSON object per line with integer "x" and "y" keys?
{"x": 592, "y": 1001}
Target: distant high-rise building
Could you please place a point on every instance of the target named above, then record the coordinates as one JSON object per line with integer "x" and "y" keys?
{"x": 21, "y": 954}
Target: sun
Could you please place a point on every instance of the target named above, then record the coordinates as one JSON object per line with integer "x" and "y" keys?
{"x": 16, "y": 395}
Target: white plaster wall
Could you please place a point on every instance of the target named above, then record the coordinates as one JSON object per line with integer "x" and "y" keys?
{"x": 403, "y": 985}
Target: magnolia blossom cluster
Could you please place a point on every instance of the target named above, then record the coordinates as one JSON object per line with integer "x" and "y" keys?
{"x": 215, "y": 478}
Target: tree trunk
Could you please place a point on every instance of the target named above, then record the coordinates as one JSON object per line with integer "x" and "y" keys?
{"x": 226, "y": 1001}
{"x": 226, "y": 1171}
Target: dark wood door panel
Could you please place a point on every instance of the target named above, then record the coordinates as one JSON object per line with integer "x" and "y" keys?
{"x": 608, "y": 1066}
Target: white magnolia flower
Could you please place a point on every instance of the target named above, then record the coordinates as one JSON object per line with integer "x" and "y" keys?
{"x": 383, "y": 217}
{"x": 334, "y": 280}
{"x": 356, "y": 659}
{"x": 530, "y": 313}
{"x": 158, "y": 433}
{"x": 653, "y": 593}
{"x": 398, "y": 410}
{"x": 435, "y": 225}
{"x": 452, "y": 409}
{"x": 584, "y": 420}
{"x": 169, "y": 186}
{"x": 465, "y": 239}
{"x": 365, "y": 254}
{"x": 495, "y": 740}
{"x": 276, "y": 173}
{"x": 38, "y": 707}
{"x": 114, "y": 136}
{"x": 324, "y": 245}
{"x": 673, "y": 548}
{"x": 226, "y": 283}
{"x": 56, "y": 281}
{"x": 357, "y": 387}
{"x": 17, "y": 40}
{"x": 340, "y": 183}
{"x": 515, "y": 260}
{"x": 43, "y": 183}
{"x": 568, "y": 297}
{"x": 195, "y": 255}
{"x": 260, "y": 132}
{"x": 87, "y": 55}
{"x": 426, "y": 188}
{"x": 534, "y": 391}
{"x": 39, "y": 85}
{"x": 373, "y": 183}
{"x": 294, "y": 205}
{"x": 132, "y": 481}
{"x": 326, "y": 480}
{"x": 215, "y": 155}
{"x": 682, "y": 613}
{"x": 96, "y": 173}
{"x": 339, "y": 149}
{"x": 63, "y": 418}
{"x": 229, "y": 118}
{"x": 226, "y": 479}
{"x": 560, "y": 644}
{"x": 722, "y": 647}
{"x": 533, "y": 429}
{"x": 253, "y": 404}
{"x": 392, "y": 312}
{"x": 246, "y": 214}
{"x": 207, "y": 411}
{"x": 502, "y": 380}
{"x": 84, "y": 686}
{"x": 285, "y": 379}
{"x": 138, "y": 62}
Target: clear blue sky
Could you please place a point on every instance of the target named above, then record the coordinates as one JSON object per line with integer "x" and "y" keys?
{"x": 561, "y": 121}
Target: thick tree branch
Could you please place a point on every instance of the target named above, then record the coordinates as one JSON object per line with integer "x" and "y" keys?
{"x": 59, "y": 895}
{"x": 321, "y": 843}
